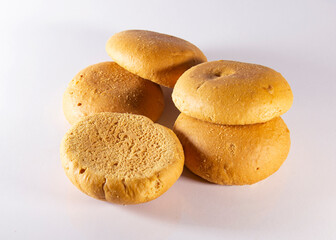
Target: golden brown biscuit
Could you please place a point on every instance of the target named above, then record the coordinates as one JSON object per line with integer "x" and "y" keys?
{"x": 122, "y": 158}
{"x": 232, "y": 93}
{"x": 107, "y": 87}
{"x": 233, "y": 155}
{"x": 155, "y": 56}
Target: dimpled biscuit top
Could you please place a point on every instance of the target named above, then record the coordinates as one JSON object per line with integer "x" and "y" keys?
{"x": 123, "y": 158}
{"x": 158, "y": 57}
{"x": 107, "y": 87}
{"x": 232, "y": 93}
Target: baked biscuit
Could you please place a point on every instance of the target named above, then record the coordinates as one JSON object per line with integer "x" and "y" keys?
{"x": 107, "y": 87}
{"x": 121, "y": 158}
{"x": 233, "y": 155}
{"x": 232, "y": 93}
{"x": 155, "y": 56}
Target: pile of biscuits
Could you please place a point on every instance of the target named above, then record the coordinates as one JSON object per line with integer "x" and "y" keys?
{"x": 229, "y": 131}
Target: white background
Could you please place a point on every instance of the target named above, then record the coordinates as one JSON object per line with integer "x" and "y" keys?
{"x": 43, "y": 44}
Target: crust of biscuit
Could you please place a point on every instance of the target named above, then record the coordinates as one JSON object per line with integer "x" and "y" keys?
{"x": 155, "y": 56}
{"x": 107, "y": 87}
{"x": 233, "y": 155}
{"x": 232, "y": 93}
{"x": 121, "y": 158}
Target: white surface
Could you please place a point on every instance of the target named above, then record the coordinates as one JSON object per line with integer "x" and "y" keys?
{"x": 44, "y": 44}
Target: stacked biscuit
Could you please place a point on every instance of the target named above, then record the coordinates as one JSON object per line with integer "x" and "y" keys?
{"x": 230, "y": 125}
{"x": 114, "y": 151}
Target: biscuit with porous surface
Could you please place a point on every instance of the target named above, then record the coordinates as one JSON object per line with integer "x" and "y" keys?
{"x": 233, "y": 155}
{"x": 107, "y": 87}
{"x": 155, "y": 56}
{"x": 122, "y": 158}
{"x": 232, "y": 93}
